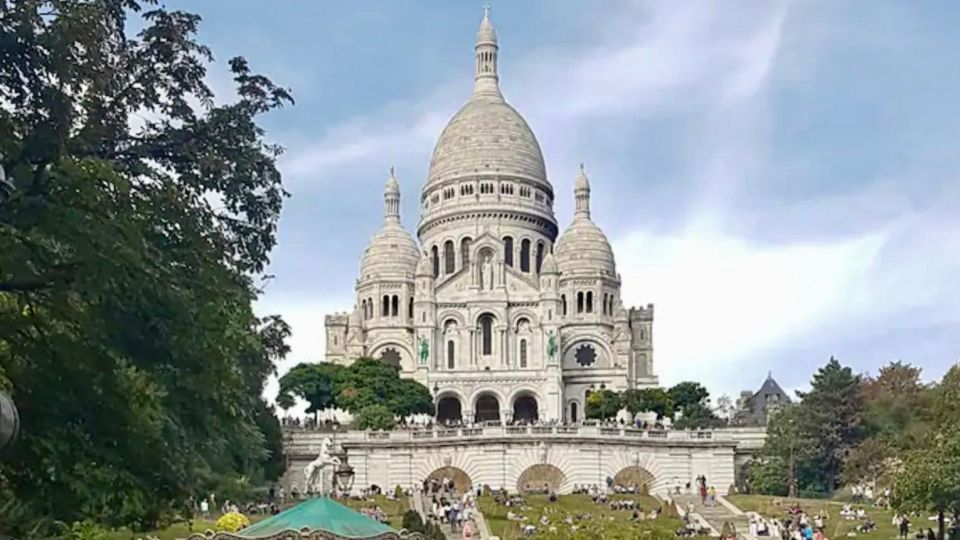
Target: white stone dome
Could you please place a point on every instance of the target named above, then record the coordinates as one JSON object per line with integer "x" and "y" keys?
{"x": 487, "y": 137}
{"x": 392, "y": 253}
{"x": 583, "y": 249}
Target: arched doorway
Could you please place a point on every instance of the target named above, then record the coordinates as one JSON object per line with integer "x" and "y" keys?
{"x": 461, "y": 480}
{"x": 634, "y": 479}
{"x": 449, "y": 410}
{"x": 525, "y": 409}
{"x": 487, "y": 408}
{"x": 541, "y": 478}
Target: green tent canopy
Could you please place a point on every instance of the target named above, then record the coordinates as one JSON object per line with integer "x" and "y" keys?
{"x": 320, "y": 518}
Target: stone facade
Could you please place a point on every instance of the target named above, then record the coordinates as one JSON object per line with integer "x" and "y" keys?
{"x": 492, "y": 310}
{"x": 522, "y": 457}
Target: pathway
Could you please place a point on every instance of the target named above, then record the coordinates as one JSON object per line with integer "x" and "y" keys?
{"x": 717, "y": 514}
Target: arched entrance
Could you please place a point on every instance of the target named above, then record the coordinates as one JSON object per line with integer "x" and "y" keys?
{"x": 487, "y": 408}
{"x": 525, "y": 409}
{"x": 449, "y": 410}
{"x": 459, "y": 477}
{"x": 541, "y": 478}
{"x": 635, "y": 479}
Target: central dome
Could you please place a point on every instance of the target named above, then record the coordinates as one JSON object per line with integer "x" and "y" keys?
{"x": 487, "y": 167}
{"x": 487, "y": 137}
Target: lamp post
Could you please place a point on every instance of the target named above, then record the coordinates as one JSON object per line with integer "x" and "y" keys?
{"x": 9, "y": 423}
{"x": 344, "y": 475}
{"x": 436, "y": 403}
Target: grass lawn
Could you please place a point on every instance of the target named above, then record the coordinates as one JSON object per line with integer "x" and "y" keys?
{"x": 393, "y": 509}
{"x": 835, "y": 526}
{"x": 568, "y": 505}
{"x": 172, "y": 532}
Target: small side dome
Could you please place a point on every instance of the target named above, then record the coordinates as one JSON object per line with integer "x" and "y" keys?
{"x": 549, "y": 265}
{"x": 583, "y": 249}
{"x": 392, "y": 253}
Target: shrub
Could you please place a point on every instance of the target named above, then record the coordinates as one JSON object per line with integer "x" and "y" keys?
{"x": 412, "y": 522}
{"x": 84, "y": 530}
{"x": 232, "y": 522}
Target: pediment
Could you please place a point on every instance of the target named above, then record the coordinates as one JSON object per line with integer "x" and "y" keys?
{"x": 465, "y": 285}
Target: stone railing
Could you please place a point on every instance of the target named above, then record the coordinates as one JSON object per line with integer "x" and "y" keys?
{"x": 309, "y": 443}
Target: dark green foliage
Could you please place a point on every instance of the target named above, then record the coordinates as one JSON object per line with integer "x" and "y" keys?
{"x": 648, "y": 399}
{"x": 366, "y": 382}
{"x": 127, "y": 335}
{"x": 603, "y": 404}
{"x": 412, "y": 522}
{"x": 374, "y": 417}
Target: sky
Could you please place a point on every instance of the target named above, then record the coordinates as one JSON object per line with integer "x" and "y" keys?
{"x": 781, "y": 179}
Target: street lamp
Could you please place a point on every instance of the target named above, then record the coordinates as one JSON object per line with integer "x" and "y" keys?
{"x": 344, "y": 476}
{"x": 9, "y": 423}
{"x": 436, "y": 401}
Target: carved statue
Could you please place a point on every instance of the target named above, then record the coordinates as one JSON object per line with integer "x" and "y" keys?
{"x": 313, "y": 472}
{"x": 424, "y": 349}
{"x": 486, "y": 274}
{"x": 551, "y": 345}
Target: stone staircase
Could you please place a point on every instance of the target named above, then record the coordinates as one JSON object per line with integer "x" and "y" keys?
{"x": 423, "y": 505}
{"x": 716, "y": 515}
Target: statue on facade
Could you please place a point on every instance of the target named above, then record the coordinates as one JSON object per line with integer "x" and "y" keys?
{"x": 486, "y": 274}
{"x": 551, "y": 345}
{"x": 424, "y": 349}
{"x": 313, "y": 472}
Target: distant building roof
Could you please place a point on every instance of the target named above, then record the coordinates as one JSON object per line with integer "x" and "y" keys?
{"x": 317, "y": 514}
{"x": 755, "y": 409}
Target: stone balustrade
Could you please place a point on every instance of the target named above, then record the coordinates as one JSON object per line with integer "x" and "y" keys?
{"x": 308, "y": 442}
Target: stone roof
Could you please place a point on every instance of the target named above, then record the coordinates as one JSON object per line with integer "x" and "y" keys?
{"x": 583, "y": 249}
{"x": 392, "y": 253}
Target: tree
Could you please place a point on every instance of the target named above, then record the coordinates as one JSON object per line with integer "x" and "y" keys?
{"x": 603, "y": 404}
{"x": 725, "y": 408}
{"x": 648, "y": 400}
{"x": 691, "y": 399}
{"x": 363, "y": 383}
{"x": 127, "y": 333}
{"x": 833, "y": 413}
{"x": 687, "y": 394}
{"x": 786, "y": 463}
{"x": 374, "y": 417}
{"x": 929, "y": 479}
{"x": 314, "y": 383}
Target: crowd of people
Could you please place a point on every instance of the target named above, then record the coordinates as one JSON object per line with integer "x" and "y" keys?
{"x": 423, "y": 422}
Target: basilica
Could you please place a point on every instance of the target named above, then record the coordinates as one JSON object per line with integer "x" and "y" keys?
{"x": 499, "y": 313}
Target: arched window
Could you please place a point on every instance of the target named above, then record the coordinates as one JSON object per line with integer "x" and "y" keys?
{"x": 395, "y": 306}
{"x": 508, "y": 250}
{"x": 436, "y": 262}
{"x": 589, "y": 301}
{"x": 539, "y": 256}
{"x": 410, "y": 309}
{"x": 370, "y": 308}
{"x": 486, "y": 334}
{"x": 385, "y": 306}
{"x": 465, "y": 251}
{"x": 451, "y": 348}
{"x": 523, "y": 353}
{"x": 449, "y": 262}
{"x": 573, "y": 412}
{"x": 610, "y": 307}
{"x": 525, "y": 255}
{"x": 580, "y": 302}
{"x": 563, "y": 305}
{"x": 364, "y": 307}
{"x": 604, "y": 303}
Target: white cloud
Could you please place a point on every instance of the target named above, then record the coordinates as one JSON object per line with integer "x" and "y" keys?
{"x": 720, "y": 300}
